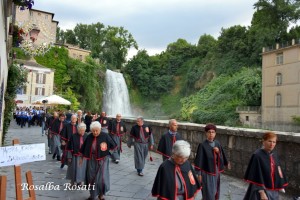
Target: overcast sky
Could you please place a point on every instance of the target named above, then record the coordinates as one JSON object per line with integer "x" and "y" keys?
{"x": 153, "y": 23}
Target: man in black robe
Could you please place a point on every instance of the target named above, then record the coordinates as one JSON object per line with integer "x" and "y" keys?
{"x": 141, "y": 137}
{"x": 48, "y": 125}
{"x": 96, "y": 149}
{"x": 56, "y": 128}
{"x": 167, "y": 140}
{"x": 176, "y": 178}
{"x": 104, "y": 121}
{"x": 65, "y": 134}
{"x": 117, "y": 129}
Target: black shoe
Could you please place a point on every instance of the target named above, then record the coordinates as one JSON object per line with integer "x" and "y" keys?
{"x": 53, "y": 157}
{"x": 62, "y": 166}
{"x": 117, "y": 161}
{"x": 58, "y": 158}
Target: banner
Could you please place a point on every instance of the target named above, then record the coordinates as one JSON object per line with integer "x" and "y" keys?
{"x": 19, "y": 154}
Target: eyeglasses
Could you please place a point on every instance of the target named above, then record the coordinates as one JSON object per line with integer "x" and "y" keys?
{"x": 211, "y": 131}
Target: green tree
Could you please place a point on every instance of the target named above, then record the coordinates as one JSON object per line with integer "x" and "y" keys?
{"x": 270, "y": 23}
{"x": 82, "y": 35}
{"x": 179, "y": 52}
{"x": 70, "y": 37}
{"x": 217, "y": 101}
{"x": 117, "y": 41}
{"x": 16, "y": 78}
{"x": 206, "y": 44}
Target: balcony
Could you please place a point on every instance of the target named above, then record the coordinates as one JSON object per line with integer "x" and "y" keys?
{"x": 248, "y": 109}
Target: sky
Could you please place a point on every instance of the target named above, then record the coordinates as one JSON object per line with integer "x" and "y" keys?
{"x": 153, "y": 23}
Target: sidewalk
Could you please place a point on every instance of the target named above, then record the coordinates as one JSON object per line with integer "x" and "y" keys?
{"x": 125, "y": 183}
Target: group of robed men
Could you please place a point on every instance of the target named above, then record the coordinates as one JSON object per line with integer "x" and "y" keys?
{"x": 141, "y": 137}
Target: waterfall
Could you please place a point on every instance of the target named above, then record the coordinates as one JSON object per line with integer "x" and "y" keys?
{"x": 115, "y": 95}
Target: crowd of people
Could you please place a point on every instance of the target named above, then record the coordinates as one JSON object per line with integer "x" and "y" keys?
{"x": 86, "y": 142}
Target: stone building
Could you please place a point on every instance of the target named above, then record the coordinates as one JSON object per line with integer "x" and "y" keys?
{"x": 281, "y": 86}
{"x": 40, "y": 20}
{"x": 76, "y": 52}
{"x": 40, "y": 81}
{"x": 280, "y": 90}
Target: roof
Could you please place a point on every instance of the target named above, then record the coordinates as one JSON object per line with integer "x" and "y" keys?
{"x": 31, "y": 63}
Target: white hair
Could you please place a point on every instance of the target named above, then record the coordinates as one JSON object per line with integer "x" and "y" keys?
{"x": 81, "y": 126}
{"x": 95, "y": 125}
{"x": 181, "y": 148}
{"x": 74, "y": 116}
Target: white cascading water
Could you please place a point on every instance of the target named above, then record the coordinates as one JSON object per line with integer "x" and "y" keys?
{"x": 115, "y": 95}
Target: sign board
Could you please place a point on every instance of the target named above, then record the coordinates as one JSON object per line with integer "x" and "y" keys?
{"x": 19, "y": 154}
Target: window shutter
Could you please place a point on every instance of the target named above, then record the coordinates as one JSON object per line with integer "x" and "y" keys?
{"x": 36, "y": 91}
{"x": 44, "y": 78}
{"x": 37, "y": 77}
{"x": 43, "y": 91}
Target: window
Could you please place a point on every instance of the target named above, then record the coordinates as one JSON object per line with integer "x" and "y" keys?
{"x": 279, "y": 59}
{"x": 279, "y": 79}
{"x": 247, "y": 118}
{"x": 278, "y": 100}
{"x": 80, "y": 57}
{"x": 39, "y": 91}
{"x": 21, "y": 90}
{"x": 46, "y": 16}
{"x": 41, "y": 78}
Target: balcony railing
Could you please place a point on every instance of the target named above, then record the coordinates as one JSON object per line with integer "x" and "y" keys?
{"x": 248, "y": 109}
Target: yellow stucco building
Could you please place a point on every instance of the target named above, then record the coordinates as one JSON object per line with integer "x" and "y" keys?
{"x": 39, "y": 84}
{"x": 281, "y": 85}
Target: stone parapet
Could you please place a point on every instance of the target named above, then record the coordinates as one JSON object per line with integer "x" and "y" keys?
{"x": 239, "y": 144}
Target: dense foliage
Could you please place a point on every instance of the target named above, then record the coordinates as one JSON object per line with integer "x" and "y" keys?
{"x": 16, "y": 78}
{"x": 108, "y": 44}
{"x": 217, "y": 101}
{"x": 202, "y": 82}
{"x": 214, "y": 76}
{"x": 79, "y": 82}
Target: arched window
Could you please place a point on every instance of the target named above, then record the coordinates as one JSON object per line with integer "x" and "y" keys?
{"x": 278, "y": 79}
{"x": 278, "y": 100}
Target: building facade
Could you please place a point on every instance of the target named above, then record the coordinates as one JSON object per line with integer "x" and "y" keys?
{"x": 281, "y": 86}
{"x": 37, "y": 19}
{"x": 40, "y": 81}
{"x": 6, "y": 21}
{"x": 75, "y": 52}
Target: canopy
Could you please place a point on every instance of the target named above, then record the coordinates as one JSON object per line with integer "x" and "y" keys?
{"x": 53, "y": 100}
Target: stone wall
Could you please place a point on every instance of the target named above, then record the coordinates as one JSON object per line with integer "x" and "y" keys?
{"x": 239, "y": 144}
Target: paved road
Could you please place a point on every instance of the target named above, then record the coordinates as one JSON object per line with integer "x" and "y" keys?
{"x": 125, "y": 183}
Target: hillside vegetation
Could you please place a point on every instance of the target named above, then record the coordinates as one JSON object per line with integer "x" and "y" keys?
{"x": 202, "y": 82}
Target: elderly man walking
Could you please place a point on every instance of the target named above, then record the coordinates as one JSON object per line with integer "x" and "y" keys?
{"x": 141, "y": 137}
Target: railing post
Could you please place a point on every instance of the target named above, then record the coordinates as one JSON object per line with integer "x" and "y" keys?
{"x": 18, "y": 178}
{"x": 3, "y": 181}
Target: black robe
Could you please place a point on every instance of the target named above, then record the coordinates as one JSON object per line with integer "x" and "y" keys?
{"x": 55, "y": 127}
{"x": 104, "y": 143}
{"x": 67, "y": 132}
{"x": 135, "y": 132}
{"x": 259, "y": 172}
{"x": 164, "y": 186}
{"x": 74, "y": 143}
{"x": 104, "y": 121}
{"x": 165, "y": 144}
{"x": 112, "y": 128}
{"x": 205, "y": 159}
